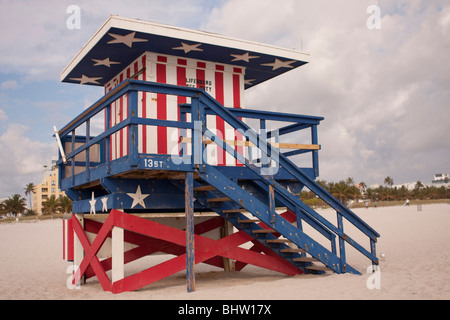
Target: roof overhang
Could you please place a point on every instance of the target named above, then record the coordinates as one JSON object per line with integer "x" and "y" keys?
{"x": 120, "y": 41}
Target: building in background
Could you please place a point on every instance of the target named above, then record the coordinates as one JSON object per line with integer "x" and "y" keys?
{"x": 46, "y": 189}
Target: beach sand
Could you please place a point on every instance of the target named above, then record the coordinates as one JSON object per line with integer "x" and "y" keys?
{"x": 416, "y": 246}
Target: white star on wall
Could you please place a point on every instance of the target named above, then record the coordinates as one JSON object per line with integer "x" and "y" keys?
{"x": 105, "y": 62}
{"x": 249, "y": 81}
{"x": 92, "y": 203}
{"x": 279, "y": 64}
{"x": 243, "y": 57}
{"x": 189, "y": 47}
{"x": 85, "y": 79}
{"x": 127, "y": 40}
{"x": 138, "y": 198}
{"x": 105, "y": 204}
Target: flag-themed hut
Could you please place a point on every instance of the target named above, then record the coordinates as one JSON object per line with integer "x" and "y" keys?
{"x": 171, "y": 161}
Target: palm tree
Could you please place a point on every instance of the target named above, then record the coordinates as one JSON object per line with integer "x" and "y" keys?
{"x": 363, "y": 186}
{"x": 29, "y": 190}
{"x": 50, "y": 206}
{"x": 13, "y": 205}
{"x": 340, "y": 191}
{"x": 389, "y": 181}
{"x": 350, "y": 181}
{"x": 65, "y": 204}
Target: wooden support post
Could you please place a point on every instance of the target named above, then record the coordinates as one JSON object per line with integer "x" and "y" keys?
{"x": 118, "y": 254}
{"x": 272, "y": 205}
{"x": 315, "y": 153}
{"x": 341, "y": 242}
{"x": 108, "y": 140}
{"x": 88, "y": 160}
{"x": 78, "y": 251}
{"x": 73, "y": 159}
{"x": 190, "y": 246}
{"x": 373, "y": 250}
{"x": 197, "y": 134}
{"x": 133, "y": 129}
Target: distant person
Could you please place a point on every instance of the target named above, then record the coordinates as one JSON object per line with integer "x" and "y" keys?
{"x": 367, "y": 204}
{"x": 407, "y": 203}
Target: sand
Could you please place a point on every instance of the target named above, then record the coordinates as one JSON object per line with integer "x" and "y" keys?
{"x": 416, "y": 246}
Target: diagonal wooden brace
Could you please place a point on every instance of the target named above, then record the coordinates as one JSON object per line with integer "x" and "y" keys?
{"x": 206, "y": 249}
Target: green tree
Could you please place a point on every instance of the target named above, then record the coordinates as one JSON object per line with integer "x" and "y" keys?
{"x": 389, "y": 181}
{"x": 50, "y": 206}
{"x": 14, "y": 205}
{"x": 29, "y": 190}
{"x": 340, "y": 191}
{"x": 350, "y": 181}
{"x": 65, "y": 204}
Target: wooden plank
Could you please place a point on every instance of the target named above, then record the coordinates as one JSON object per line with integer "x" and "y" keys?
{"x": 318, "y": 268}
{"x": 235, "y": 211}
{"x": 204, "y": 188}
{"x": 249, "y": 221}
{"x": 290, "y": 250}
{"x": 305, "y": 259}
{"x": 264, "y": 231}
{"x": 279, "y": 241}
{"x": 224, "y": 199}
{"x": 240, "y": 143}
{"x": 118, "y": 262}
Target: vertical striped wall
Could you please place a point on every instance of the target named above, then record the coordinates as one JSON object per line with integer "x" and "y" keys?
{"x": 225, "y": 83}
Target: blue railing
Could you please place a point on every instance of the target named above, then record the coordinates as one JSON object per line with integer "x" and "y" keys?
{"x": 84, "y": 167}
{"x": 89, "y": 159}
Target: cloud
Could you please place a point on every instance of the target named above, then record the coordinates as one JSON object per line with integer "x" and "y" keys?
{"x": 384, "y": 93}
{"x": 9, "y": 85}
{"x": 39, "y": 45}
{"x": 3, "y": 116}
{"x": 21, "y": 160}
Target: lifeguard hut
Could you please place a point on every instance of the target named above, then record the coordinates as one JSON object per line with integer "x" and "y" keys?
{"x": 170, "y": 161}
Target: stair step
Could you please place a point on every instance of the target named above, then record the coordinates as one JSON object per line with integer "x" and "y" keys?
{"x": 291, "y": 250}
{"x": 235, "y": 211}
{"x": 204, "y": 188}
{"x": 279, "y": 241}
{"x": 264, "y": 231}
{"x": 318, "y": 268}
{"x": 225, "y": 199}
{"x": 305, "y": 259}
{"x": 249, "y": 221}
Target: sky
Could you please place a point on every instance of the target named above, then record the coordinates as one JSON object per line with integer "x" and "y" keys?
{"x": 382, "y": 85}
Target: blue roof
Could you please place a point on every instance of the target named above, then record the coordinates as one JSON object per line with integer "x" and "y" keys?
{"x": 120, "y": 41}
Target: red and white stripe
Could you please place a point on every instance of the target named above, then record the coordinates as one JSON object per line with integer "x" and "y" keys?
{"x": 225, "y": 83}
{"x": 68, "y": 240}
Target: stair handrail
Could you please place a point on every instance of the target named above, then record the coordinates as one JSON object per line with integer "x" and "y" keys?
{"x": 284, "y": 162}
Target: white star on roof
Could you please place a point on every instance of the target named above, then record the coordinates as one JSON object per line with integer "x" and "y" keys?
{"x": 243, "y": 57}
{"x": 279, "y": 64}
{"x": 92, "y": 203}
{"x": 189, "y": 47}
{"x": 127, "y": 40}
{"x": 85, "y": 79}
{"x": 138, "y": 198}
{"x": 105, "y": 62}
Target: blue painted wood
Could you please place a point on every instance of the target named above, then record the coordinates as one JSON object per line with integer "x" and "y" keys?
{"x": 271, "y": 184}
{"x": 190, "y": 244}
{"x": 262, "y": 212}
